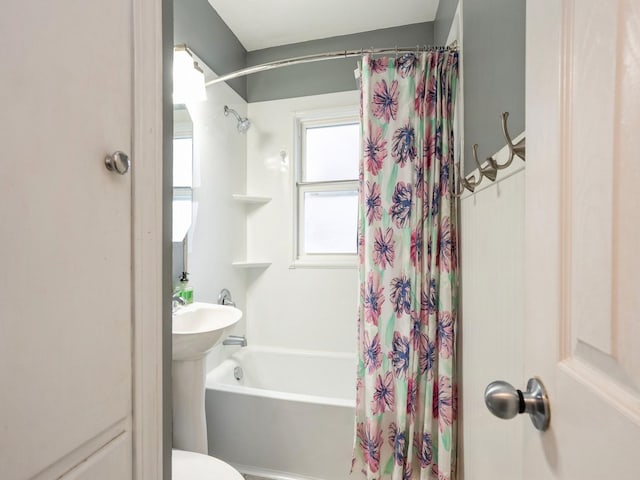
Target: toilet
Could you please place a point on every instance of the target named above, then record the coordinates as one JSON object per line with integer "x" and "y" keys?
{"x": 196, "y": 466}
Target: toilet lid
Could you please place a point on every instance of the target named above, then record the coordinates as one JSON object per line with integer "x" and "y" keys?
{"x": 196, "y": 466}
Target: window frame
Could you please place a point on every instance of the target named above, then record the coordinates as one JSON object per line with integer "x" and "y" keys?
{"x": 349, "y": 115}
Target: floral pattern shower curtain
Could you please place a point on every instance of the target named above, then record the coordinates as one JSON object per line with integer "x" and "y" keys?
{"x": 406, "y": 392}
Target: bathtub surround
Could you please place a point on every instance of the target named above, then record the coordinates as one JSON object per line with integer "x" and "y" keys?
{"x": 218, "y": 232}
{"x": 284, "y": 422}
{"x": 407, "y": 389}
{"x": 299, "y": 308}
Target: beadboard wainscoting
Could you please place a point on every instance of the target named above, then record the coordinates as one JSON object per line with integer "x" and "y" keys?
{"x": 492, "y": 260}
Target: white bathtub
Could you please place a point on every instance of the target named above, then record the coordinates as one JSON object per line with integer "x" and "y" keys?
{"x": 290, "y": 417}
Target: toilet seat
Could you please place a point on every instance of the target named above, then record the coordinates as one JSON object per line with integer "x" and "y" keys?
{"x": 196, "y": 466}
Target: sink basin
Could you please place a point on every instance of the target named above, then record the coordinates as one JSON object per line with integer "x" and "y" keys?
{"x": 197, "y": 327}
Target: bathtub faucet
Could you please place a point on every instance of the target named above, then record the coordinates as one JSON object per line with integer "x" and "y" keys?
{"x": 235, "y": 340}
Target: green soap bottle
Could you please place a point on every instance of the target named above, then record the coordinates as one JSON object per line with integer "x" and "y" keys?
{"x": 185, "y": 291}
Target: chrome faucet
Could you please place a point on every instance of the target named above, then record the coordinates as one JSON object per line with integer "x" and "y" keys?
{"x": 224, "y": 298}
{"x": 235, "y": 340}
{"x": 176, "y": 302}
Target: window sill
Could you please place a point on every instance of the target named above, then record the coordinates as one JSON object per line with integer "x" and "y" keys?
{"x": 303, "y": 263}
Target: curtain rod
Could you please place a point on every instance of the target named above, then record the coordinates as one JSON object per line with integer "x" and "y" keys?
{"x": 325, "y": 56}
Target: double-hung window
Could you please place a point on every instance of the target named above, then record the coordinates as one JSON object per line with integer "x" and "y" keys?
{"x": 327, "y": 189}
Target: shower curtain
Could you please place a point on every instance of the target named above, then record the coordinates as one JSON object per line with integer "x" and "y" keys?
{"x": 406, "y": 403}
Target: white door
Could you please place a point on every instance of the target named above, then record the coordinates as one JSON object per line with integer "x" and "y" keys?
{"x": 65, "y": 237}
{"x": 583, "y": 236}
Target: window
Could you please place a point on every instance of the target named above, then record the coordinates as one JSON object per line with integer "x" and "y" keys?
{"x": 327, "y": 189}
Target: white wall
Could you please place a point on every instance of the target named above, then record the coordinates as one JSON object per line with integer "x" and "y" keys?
{"x": 492, "y": 264}
{"x": 219, "y": 230}
{"x": 306, "y": 308}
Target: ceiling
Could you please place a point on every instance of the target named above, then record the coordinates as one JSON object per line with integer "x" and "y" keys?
{"x": 268, "y": 23}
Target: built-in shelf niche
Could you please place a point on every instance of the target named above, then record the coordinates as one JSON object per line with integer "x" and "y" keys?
{"x": 257, "y": 201}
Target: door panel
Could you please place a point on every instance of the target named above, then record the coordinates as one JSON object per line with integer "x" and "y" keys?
{"x": 582, "y": 227}
{"x": 65, "y": 224}
{"x": 109, "y": 463}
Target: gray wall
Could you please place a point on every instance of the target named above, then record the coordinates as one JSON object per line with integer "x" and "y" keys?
{"x": 177, "y": 264}
{"x": 493, "y": 57}
{"x": 444, "y": 18}
{"x": 198, "y": 25}
{"x": 494, "y": 63}
{"x": 326, "y": 76}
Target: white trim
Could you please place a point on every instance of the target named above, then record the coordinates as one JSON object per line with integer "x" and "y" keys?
{"x": 456, "y": 34}
{"x": 455, "y": 31}
{"x": 303, "y": 258}
{"x": 329, "y": 114}
{"x": 327, "y": 261}
{"x": 146, "y": 174}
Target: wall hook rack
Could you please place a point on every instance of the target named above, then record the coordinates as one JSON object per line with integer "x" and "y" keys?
{"x": 490, "y": 170}
{"x": 461, "y": 184}
{"x": 517, "y": 150}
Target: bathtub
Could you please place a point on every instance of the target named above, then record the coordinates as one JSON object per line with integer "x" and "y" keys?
{"x": 290, "y": 417}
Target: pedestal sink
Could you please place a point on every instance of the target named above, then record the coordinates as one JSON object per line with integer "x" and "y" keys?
{"x": 196, "y": 328}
